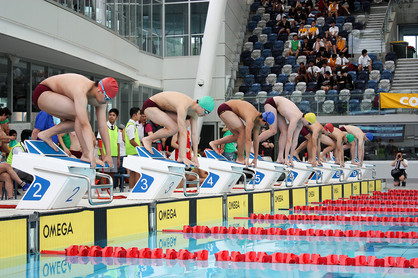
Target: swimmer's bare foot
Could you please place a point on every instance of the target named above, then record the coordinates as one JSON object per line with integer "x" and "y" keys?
{"x": 99, "y": 162}
{"x": 147, "y": 144}
{"x": 214, "y": 147}
{"x": 240, "y": 161}
{"x": 47, "y": 140}
{"x": 297, "y": 157}
{"x": 185, "y": 161}
{"x": 280, "y": 161}
{"x": 87, "y": 159}
{"x": 354, "y": 162}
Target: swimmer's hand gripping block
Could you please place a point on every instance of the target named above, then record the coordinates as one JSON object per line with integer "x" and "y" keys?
{"x": 267, "y": 173}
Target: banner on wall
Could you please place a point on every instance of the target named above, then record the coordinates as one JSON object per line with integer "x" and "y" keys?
{"x": 398, "y": 100}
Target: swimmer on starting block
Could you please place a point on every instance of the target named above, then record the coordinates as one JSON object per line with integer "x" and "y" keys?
{"x": 232, "y": 113}
{"x": 362, "y": 138}
{"x": 341, "y": 138}
{"x": 66, "y": 96}
{"x": 314, "y": 137}
{"x": 171, "y": 109}
{"x": 284, "y": 109}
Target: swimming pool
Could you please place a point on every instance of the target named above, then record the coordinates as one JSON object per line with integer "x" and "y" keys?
{"x": 61, "y": 266}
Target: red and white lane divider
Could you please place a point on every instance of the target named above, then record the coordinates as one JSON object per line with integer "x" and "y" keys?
{"x": 306, "y": 258}
{"x": 368, "y": 202}
{"x": 353, "y": 209}
{"x": 133, "y": 252}
{"x": 293, "y": 232}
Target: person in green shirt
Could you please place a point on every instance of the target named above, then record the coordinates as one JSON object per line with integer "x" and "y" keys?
{"x": 228, "y": 150}
{"x": 294, "y": 47}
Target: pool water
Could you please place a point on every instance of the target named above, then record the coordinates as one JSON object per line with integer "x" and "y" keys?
{"x": 61, "y": 266}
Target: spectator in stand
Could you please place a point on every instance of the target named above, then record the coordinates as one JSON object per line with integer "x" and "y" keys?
{"x": 132, "y": 141}
{"x": 333, "y": 9}
{"x": 345, "y": 81}
{"x": 279, "y": 17}
{"x": 140, "y": 125}
{"x": 344, "y": 9}
{"x": 284, "y": 25}
{"x": 303, "y": 31}
{"x": 325, "y": 82}
{"x": 317, "y": 46}
{"x": 228, "y": 150}
{"x": 328, "y": 46}
{"x": 300, "y": 16}
{"x": 322, "y": 7}
{"x": 341, "y": 45}
{"x": 291, "y": 13}
{"x": 313, "y": 72}
{"x": 342, "y": 62}
{"x": 364, "y": 61}
{"x": 302, "y": 74}
{"x": 325, "y": 68}
{"x": 313, "y": 32}
{"x": 305, "y": 48}
{"x": 332, "y": 32}
{"x": 266, "y": 148}
{"x": 294, "y": 47}
{"x": 332, "y": 62}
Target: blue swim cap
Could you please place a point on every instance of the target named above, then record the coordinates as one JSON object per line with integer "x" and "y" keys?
{"x": 268, "y": 117}
{"x": 369, "y": 136}
{"x": 207, "y": 103}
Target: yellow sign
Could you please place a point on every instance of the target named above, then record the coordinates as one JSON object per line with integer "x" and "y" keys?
{"x": 371, "y": 186}
{"x": 364, "y": 187}
{"x": 356, "y": 188}
{"x": 13, "y": 237}
{"x": 398, "y": 100}
{"x": 237, "y": 205}
{"x": 326, "y": 192}
{"x": 299, "y": 197}
{"x": 209, "y": 209}
{"x": 172, "y": 215}
{"x": 120, "y": 224}
{"x": 313, "y": 194}
{"x": 347, "y": 190}
{"x": 281, "y": 200}
{"x": 62, "y": 230}
{"x": 378, "y": 184}
{"x": 337, "y": 191}
{"x": 262, "y": 202}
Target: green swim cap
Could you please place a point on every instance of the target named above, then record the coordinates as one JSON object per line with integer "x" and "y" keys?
{"x": 350, "y": 137}
{"x": 207, "y": 103}
{"x": 310, "y": 117}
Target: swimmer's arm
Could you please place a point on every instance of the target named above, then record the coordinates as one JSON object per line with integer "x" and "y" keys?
{"x": 256, "y": 141}
{"x": 182, "y": 133}
{"x": 82, "y": 118}
{"x": 248, "y": 132}
{"x": 174, "y": 142}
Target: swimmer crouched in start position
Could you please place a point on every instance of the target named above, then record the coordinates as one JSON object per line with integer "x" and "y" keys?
{"x": 170, "y": 110}
{"x": 66, "y": 96}
{"x": 232, "y": 113}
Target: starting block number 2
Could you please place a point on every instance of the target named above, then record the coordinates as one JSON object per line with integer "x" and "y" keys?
{"x": 37, "y": 190}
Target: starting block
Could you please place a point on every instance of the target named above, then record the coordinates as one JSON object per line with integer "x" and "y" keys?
{"x": 343, "y": 173}
{"x": 327, "y": 171}
{"x": 299, "y": 173}
{"x": 222, "y": 173}
{"x": 267, "y": 173}
{"x": 59, "y": 181}
{"x": 365, "y": 170}
{"x": 159, "y": 176}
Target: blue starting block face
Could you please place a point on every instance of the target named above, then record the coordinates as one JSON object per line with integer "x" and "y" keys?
{"x": 213, "y": 155}
{"x": 142, "y": 152}
{"x": 42, "y": 148}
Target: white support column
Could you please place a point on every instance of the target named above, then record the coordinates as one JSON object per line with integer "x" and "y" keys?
{"x": 216, "y": 11}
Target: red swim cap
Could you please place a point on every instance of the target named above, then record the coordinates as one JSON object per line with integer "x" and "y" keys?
{"x": 329, "y": 127}
{"x": 109, "y": 87}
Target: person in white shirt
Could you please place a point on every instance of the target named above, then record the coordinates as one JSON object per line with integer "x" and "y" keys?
{"x": 332, "y": 32}
{"x": 313, "y": 71}
{"x": 140, "y": 125}
{"x": 400, "y": 165}
{"x": 132, "y": 140}
{"x": 342, "y": 62}
{"x": 364, "y": 61}
{"x": 325, "y": 68}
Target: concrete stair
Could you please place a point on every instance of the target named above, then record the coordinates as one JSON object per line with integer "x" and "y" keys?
{"x": 405, "y": 75}
{"x": 371, "y": 37}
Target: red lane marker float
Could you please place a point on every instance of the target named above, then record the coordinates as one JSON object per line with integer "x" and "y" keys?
{"x": 329, "y": 218}
{"x": 306, "y": 258}
{"x": 292, "y": 232}
{"x": 368, "y": 202}
{"x": 353, "y": 208}
{"x": 8, "y": 206}
{"x": 133, "y": 252}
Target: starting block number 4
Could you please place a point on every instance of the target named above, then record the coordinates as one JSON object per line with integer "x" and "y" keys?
{"x": 210, "y": 181}
{"x": 143, "y": 183}
{"x": 37, "y": 190}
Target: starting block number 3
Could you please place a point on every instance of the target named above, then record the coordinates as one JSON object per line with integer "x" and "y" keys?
{"x": 143, "y": 183}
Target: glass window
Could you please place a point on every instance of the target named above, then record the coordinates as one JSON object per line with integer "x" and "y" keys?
{"x": 137, "y": 96}
{"x": 54, "y": 71}
{"x": 110, "y": 14}
{"x": 39, "y": 73}
{"x": 176, "y": 22}
{"x": 198, "y": 17}
{"x": 157, "y": 13}
{"x": 176, "y": 46}
{"x": 21, "y": 91}
{"x": 146, "y": 29}
{"x": 4, "y": 81}
{"x": 125, "y": 103}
